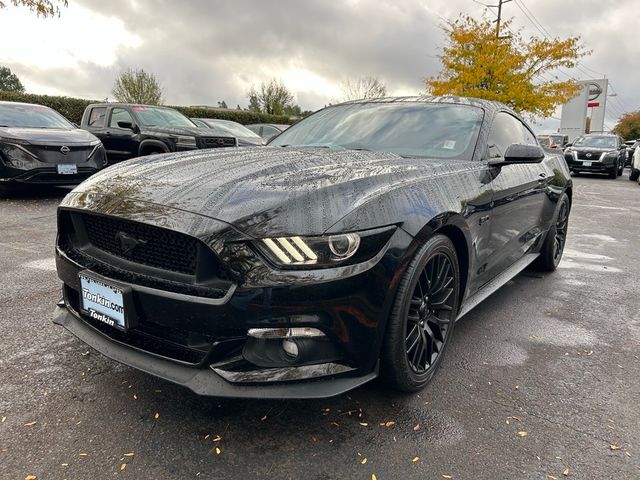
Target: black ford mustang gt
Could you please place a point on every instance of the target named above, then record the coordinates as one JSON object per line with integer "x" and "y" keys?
{"x": 344, "y": 250}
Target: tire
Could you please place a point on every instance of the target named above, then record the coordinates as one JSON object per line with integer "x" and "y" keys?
{"x": 613, "y": 174}
{"x": 634, "y": 174}
{"x": 621, "y": 170}
{"x": 554, "y": 242}
{"x": 5, "y": 191}
{"x": 423, "y": 316}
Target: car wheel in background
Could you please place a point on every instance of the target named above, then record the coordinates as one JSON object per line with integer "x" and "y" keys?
{"x": 423, "y": 316}
{"x": 554, "y": 242}
{"x": 634, "y": 174}
{"x": 614, "y": 172}
{"x": 621, "y": 169}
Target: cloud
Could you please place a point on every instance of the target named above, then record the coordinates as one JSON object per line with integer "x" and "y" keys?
{"x": 204, "y": 51}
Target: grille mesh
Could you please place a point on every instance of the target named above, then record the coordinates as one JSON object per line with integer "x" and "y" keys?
{"x": 213, "y": 142}
{"x": 156, "y": 247}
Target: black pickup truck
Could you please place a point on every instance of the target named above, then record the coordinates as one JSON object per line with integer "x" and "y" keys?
{"x": 130, "y": 130}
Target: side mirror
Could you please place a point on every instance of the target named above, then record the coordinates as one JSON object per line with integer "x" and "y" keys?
{"x": 518, "y": 153}
{"x": 128, "y": 125}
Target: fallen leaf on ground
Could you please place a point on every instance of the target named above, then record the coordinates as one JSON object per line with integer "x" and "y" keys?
{"x": 415, "y": 459}
{"x": 417, "y": 427}
{"x": 373, "y": 476}
{"x": 218, "y": 451}
{"x": 613, "y": 446}
{"x": 130, "y": 454}
{"x": 364, "y": 424}
{"x": 135, "y": 397}
{"x": 390, "y": 423}
{"x": 447, "y": 476}
{"x": 565, "y": 472}
{"x": 3, "y": 419}
{"x": 264, "y": 418}
{"x": 156, "y": 416}
{"x": 30, "y": 477}
{"x": 363, "y": 461}
{"x": 522, "y": 434}
{"x": 123, "y": 466}
{"x": 30, "y": 423}
{"x": 217, "y": 438}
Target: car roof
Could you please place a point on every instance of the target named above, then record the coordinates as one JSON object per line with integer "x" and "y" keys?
{"x": 453, "y": 99}
{"x": 4, "y": 102}
{"x": 123, "y": 104}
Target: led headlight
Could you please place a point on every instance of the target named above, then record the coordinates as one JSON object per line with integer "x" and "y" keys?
{"x": 325, "y": 250}
{"x": 18, "y": 156}
{"x": 186, "y": 141}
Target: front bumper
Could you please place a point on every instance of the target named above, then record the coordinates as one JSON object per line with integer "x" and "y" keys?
{"x": 594, "y": 166}
{"x": 203, "y": 381}
{"x": 202, "y": 343}
{"x": 44, "y": 176}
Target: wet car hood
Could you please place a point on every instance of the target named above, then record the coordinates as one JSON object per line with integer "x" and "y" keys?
{"x": 48, "y": 136}
{"x": 267, "y": 190}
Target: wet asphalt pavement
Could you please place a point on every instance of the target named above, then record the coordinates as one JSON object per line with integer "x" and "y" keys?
{"x": 541, "y": 381}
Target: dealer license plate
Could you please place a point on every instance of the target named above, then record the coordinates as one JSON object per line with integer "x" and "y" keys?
{"x": 67, "y": 169}
{"x": 586, "y": 164}
{"x": 102, "y": 302}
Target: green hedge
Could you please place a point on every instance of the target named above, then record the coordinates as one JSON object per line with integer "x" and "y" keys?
{"x": 73, "y": 108}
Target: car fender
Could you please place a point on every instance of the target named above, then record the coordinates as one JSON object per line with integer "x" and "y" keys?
{"x": 152, "y": 143}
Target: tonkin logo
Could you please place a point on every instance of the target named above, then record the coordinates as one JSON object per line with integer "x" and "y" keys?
{"x": 64, "y": 150}
{"x": 127, "y": 243}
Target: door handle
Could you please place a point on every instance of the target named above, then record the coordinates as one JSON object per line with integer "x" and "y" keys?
{"x": 542, "y": 175}
{"x": 108, "y": 133}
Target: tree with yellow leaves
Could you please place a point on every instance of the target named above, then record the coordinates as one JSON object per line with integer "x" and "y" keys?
{"x": 478, "y": 63}
{"x": 42, "y": 8}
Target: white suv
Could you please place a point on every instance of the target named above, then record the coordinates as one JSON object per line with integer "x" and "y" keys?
{"x": 634, "y": 172}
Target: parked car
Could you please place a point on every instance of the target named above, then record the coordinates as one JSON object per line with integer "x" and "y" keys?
{"x": 130, "y": 130}
{"x": 246, "y": 138}
{"x": 310, "y": 266}
{"x": 634, "y": 170}
{"x": 38, "y": 146}
{"x": 631, "y": 146}
{"x": 560, "y": 140}
{"x": 267, "y": 130}
{"x": 544, "y": 141}
{"x": 597, "y": 153}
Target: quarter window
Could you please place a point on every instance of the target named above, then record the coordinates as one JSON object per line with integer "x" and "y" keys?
{"x": 507, "y": 130}
{"x": 96, "y": 117}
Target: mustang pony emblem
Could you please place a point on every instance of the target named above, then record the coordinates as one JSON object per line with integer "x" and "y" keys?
{"x": 127, "y": 243}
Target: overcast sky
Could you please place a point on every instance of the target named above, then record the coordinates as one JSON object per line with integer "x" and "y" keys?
{"x": 204, "y": 51}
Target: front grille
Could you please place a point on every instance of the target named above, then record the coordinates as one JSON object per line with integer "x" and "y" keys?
{"x": 154, "y": 247}
{"x": 593, "y": 156}
{"x": 52, "y": 153}
{"x": 217, "y": 142}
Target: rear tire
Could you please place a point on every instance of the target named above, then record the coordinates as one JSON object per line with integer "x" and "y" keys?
{"x": 554, "y": 242}
{"x": 634, "y": 174}
{"x": 423, "y": 316}
{"x": 621, "y": 170}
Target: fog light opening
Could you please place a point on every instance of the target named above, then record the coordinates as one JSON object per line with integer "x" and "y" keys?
{"x": 290, "y": 347}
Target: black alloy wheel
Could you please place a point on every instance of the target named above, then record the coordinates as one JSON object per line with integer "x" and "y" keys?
{"x": 423, "y": 317}
{"x": 553, "y": 246}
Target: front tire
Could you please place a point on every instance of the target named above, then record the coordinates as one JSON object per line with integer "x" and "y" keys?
{"x": 621, "y": 170}
{"x": 634, "y": 174}
{"x": 554, "y": 242}
{"x": 423, "y": 316}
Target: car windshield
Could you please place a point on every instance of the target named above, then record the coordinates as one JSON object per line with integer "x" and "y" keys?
{"x": 32, "y": 116}
{"x": 545, "y": 141}
{"x": 234, "y": 128}
{"x": 557, "y": 139}
{"x": 411, "y": 129}
{"x": 598, "y": 142}
{"x": 161, "y": 117}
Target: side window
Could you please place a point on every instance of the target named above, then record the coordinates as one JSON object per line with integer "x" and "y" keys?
{"x": 505, "y": 131}
{"x": 529, "y": 138}
{"x": 268, "y": 131}
{"x": 96, "y": 117}
{"x": 119, "y": 115}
